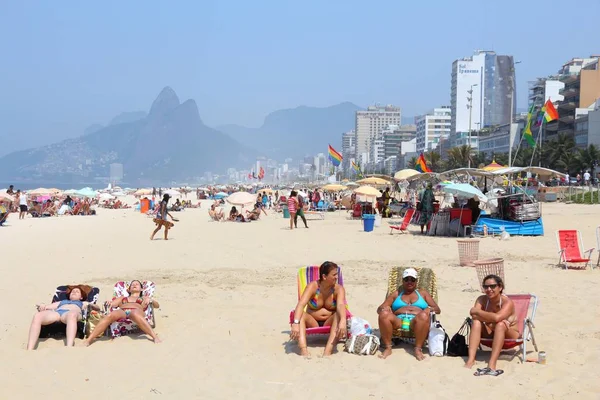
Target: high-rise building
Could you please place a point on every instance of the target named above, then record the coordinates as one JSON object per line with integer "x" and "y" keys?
{"x": 491, "y": 78}
{"x": 348, "y": 150}
{"x": 544, "y": 89}
{"x": 369, "y": 123}
{"x": 432, "y": 127}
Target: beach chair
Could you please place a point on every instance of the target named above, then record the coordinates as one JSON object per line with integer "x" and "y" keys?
{"x": 57, "y": 329}
{"x": 570, "y": 249}
{"x": 427, "y": 281}
{"x": 305, "y": 276}
{"x": 357, "y": 211}
{"x": 402, "y": 227}
{"x": 126, "y": 326}
{"x": 525, "y": 309}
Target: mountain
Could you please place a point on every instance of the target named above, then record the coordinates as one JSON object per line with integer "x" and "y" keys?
{"x": 298, "y": 131}
{"x": 169, "y": 143}
{"x": 128, "y": 117}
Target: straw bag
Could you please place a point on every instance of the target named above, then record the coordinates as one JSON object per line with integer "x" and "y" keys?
{"x": 363, "y": 345}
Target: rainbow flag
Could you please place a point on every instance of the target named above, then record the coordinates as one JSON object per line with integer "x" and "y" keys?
{"x": 356, "y": 168}
{"x": 421, "y": 164}
{"x": 550, "y": 113}
{"x": 335, "y": 157}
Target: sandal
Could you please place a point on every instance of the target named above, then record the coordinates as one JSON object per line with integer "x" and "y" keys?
{"x": 488, "y": 371}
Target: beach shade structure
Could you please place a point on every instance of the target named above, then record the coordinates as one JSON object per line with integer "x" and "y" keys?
{"x": 265, "y": 190}
{"x": 172, "y": 192}
{"x": 6, "y": 197}
{"x": 44, "y": 192}
{"x": 220, "y": 195}
{"x": 352, "y": 184}
{"x": 142, "y": 192}
{"x": 493, "y": 166}
{"x": 333, "y": 187}
{"x": 241, "y": 199}
{"x": 372, "y": 180}
{"x": 86, "y": 192}
{"x": 465, "y": 190}
{"x": 105, "y": 196}
{"x": 404, "y": 174}
{"x": 367, "y": 191}
{"x": 119, "y": 194}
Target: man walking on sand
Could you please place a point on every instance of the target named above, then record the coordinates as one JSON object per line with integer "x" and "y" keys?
{"x": 22, "y": 204}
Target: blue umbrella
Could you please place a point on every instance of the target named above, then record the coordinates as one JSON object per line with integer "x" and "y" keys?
{"x": 220, "y": 195}
{"x": 86, "y": 192}
{"x": 465, "y": 190}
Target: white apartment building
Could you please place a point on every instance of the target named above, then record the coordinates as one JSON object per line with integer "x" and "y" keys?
{"x": 432, "y": 127}
{"x": 406, "y": 151}
{"x": 491, "y": 78}
{"x": 348, "y": 150}
{"x": 369, "y": 123}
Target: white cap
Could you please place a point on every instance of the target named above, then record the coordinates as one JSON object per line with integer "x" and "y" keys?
{"x": 410, "y": 272}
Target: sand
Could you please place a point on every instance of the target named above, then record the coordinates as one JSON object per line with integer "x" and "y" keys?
{"x": 226, "y": 290}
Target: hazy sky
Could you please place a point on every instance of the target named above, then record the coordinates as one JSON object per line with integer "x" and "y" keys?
{"x": 68, "y": 64}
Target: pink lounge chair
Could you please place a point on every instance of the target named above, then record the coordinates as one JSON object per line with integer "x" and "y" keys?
{"x": 305, "y": 276}
{"x": 523, "y": 303}
{"x": 570, "y": 249}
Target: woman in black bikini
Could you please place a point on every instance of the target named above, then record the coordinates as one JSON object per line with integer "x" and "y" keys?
{"x": 131, "y": 307}
{"x": 324, "y": 301}
{"x": 493, "y": 317}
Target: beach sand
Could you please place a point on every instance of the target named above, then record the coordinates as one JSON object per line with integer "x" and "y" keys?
{"x": 226, "y": 290}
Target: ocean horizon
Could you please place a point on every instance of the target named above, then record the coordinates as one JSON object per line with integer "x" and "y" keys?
{"x": 30, "y": 185}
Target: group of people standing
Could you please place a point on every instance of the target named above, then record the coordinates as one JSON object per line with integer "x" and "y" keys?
{"x": 296, "y": 205}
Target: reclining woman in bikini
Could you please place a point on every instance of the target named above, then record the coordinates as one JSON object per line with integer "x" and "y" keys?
{"x": 324, "y": 301}
{"x": 493, "y": 317}
{"x": 131, "y": 307}
{"x": 66, "y": 311}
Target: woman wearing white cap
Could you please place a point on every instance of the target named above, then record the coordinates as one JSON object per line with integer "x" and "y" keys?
{"x": 407, "y": 308}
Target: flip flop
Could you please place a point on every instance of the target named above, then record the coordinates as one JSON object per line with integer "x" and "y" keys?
{"x": 488, "y": 371}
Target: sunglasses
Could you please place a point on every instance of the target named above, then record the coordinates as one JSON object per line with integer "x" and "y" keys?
{"x": 409, "y": 279}
{"x": 486, "y": 287}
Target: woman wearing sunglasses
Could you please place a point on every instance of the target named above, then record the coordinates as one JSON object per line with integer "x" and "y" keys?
{"x": 493, "y": 318}
{"x": 407, "y": 308}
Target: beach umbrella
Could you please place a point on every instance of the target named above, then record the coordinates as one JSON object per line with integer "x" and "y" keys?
{"x": 119, "y": 194}
{"x": 405, "y": 174}
{"x": 143, "y": 192}
{"x": 494, "y": 166}
{"x": 241, "y": 199}
{"x": 86, "y": 192}
{"x": 105, "y": 196}
{"x": 172, "y": 192}
{"x": 465, "y": 190}
{"x": 265, "y": 190}
{"x": 6, "y": 197}
{"x": 220, "y": 195}
{"x": 367, "y": 191}
{"x": 44, "y": 192}
{"x": 352, "y": 184}
{"x": 333, "y": 187}
{"x": 372, "y": 180}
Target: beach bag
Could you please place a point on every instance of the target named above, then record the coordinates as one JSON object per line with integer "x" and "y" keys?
{"x": 363, "y": 345}
{"x": 458, "y": 346}
{"x": 359, "y": 326}
{"x": 438, "y": 339}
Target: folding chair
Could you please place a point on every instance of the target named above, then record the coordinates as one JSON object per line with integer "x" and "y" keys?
{"x": 570, "y": 249}
{"x": 402, "y": 228}
{"x": 126, "y": 326}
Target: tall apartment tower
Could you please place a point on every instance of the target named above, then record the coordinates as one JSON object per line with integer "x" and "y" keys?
{"x": 369, "y": 123}
{"x": 492, "y": 79}
{"x": 348, "y": 149}
{"x": 433, "y": 127}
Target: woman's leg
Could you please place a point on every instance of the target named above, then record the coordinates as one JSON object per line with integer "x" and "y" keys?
{"x": 40, "y": 318}
{"x": 167, "y": 232}
{"x": 474, "y": 339}
{"x": 501, "y": 332}
{"x": 292, "y": 216}
{"x": 334, "y": 320}
{"x": 139, "y": 318}
{"x": 307, "y": 321}
{"x": 70, "y": 319}
{"x": 155, "y": 232}
{"x": 296, "y": 221}
{"x": 104, "y": 324}
{"x": 304, "y": 220}
{"x": 420, "y": 325}
{"x": 387, "y": 323}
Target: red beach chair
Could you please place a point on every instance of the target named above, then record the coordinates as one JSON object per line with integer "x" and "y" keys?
{"x": 570, "y": 249}
{"x": 405, "y": 222}
{"x": 305, "y": 276}
{"x": 523, "y": 304}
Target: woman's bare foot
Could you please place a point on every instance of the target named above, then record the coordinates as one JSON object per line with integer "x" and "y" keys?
{"x": 386, "y": 352}
{"x": 87, "y": 342}
{"x": 157, "y": 340}
{"x": 469, "y": 364}
{"x": 419, "y": 354}
{"x": 304, "y": 352}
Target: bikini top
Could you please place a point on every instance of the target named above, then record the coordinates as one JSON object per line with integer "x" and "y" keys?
{"x": 399, "y": 303}
{"x": 314, "y": 302}
{"x": 125, "y": 300}
{"x": 76, "y": 302}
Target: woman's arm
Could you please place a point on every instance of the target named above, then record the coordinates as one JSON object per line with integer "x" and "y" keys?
{"x": 115, "y": 302}
{"x": 387, "y": 303}
{"x": 53, "y": 306}
{"x": 505, "y": 312}
{"x": 342, "y": 331}
{"x": 430, "y": 301}
{"x": 308, "y": 293}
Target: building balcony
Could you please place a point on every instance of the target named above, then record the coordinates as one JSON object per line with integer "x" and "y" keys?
{"x": 567, "y": 105}
{"x": 552, "y": 126}
{"x": 566, "y": 130}
{"x": 567, "y": 119}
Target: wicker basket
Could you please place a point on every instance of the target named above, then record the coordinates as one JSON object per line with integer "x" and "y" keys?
{"x": 491, "y": 266}
{"x": 468, "y": 251}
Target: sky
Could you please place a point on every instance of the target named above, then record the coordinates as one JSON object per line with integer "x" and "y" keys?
{"x": 65, "y": 65}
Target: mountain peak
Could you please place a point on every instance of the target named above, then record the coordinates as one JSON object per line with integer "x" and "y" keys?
{"x": 166, "y": 101}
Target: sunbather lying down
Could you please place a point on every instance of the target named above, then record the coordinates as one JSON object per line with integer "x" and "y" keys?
{"x": 66, "y": 311}
{"x": 131, "y": 307}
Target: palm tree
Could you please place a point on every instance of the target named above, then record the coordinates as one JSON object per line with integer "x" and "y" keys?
{"x": 459, "y": 157}
{"x": 587, "y": 157}
{"x": 557, "y": 149}
{"x": 500, "y": 158}
{"x": 411, "y": 163}
{"x": 434, "y": 161}
{"x": 523, "y": 158}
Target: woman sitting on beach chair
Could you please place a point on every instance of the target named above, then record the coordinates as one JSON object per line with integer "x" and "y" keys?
{"x": 407, "y": 308}
{"x": 131, "y": 307}
{"x": 324, "y": 302}
{"x": 66, "y": 311}
{"x": 493, "y": 317}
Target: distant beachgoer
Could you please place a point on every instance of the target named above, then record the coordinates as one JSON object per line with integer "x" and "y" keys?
{"x": 11, "y": 190}
{"x": 493, "y": 317}
{"x": 22, "y": 204}
{"x": 426, "y": 206}
{"x": 161, "y": 217}
{"x": 300, "y": 212}
{"x": 292, "y": 203}
{"x": 216, "y": 215}
{"x": 586, "y": 178}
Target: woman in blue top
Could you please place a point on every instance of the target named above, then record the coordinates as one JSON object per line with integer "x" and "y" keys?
{"x": 66, "y": 311}
{"x": 411, "y": 306}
